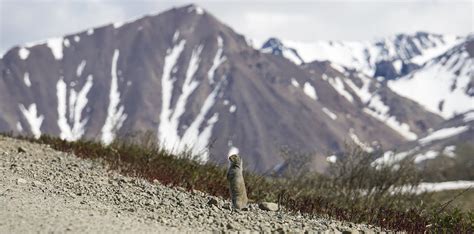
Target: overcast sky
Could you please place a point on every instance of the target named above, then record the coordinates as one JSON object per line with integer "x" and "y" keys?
{"x": 33, "y": 20}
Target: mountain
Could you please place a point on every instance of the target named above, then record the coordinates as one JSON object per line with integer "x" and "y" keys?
{"x": 447, "y": 82}
{"x": 388, "y": 57}
{"x": 196, "y": 84}
{"x": 375, "y": 99}
{"x": 441, "y": 64}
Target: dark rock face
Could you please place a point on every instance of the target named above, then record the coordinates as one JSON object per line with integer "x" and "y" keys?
{"x": 470, "y": 46}
{"x": 194, "y": 82}
{"x": 386, "y": 70}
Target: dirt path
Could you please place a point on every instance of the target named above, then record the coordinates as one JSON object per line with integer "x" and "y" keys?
{"x": 49, "y": 191}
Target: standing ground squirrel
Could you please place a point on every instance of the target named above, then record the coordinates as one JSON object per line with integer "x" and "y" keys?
{"x": 238, "y": 193}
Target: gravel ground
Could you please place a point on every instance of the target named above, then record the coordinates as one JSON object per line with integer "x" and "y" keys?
{"x": 43, "y": 190}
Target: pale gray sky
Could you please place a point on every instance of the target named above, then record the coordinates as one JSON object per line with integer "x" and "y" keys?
{"x": 24, "y": 21}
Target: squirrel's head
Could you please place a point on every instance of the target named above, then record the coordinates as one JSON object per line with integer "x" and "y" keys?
{"x": 235, "y": 160}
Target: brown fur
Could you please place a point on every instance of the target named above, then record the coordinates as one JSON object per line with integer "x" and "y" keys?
{"x": 238, "y": 193}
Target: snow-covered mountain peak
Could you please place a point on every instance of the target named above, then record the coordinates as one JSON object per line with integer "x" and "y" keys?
{"x": 276, "y": 47}
{"x": 443, "y": 85}
{"x": 400, "y": 49}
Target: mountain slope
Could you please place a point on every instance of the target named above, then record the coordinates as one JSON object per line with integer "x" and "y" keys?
{"x": 195, "y": 83}
{"x": 44, "y": 190}
{"x": 442, "y": 140}
{"x": 447, "y": 82}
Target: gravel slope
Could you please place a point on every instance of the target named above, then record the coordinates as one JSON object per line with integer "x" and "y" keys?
{"x": 49, "y": 191}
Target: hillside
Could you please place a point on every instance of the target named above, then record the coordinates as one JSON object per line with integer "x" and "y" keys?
{"x": 196, "y": 84}
{"x": 43, "y": 190}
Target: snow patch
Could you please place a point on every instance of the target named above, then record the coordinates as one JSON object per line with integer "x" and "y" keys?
{"x": 66, "y": 42}
{"x": 442, "y": 186}
{"x": 357, "y": 141}
{"x": 115, "y": 111}
{"x": 233, "y": 150}
{"x": 430, "y": 154}
{"x": 402, "y": 128}
{"x": 295, "y": 83}
{"x": 80, "y": 68}
{"x": 232, "y": 109}
{"x": 77, "y": 38}
{"x": 329, "y": 113}
{"x": 192, "y": 139}
{"x": 188, "y": 88}
{"x": 310, "y": 91}
{"x": 324, "y": 77}
{"x": 77, "y": 103}
{"x": 390, "y": 157}
{"x": 338, "y": 67}
{"x": 175, "y": 36}
{"x": 397, "y": 64}
{"x": 166, "y": 131}
{"x": 23, "y": 53}
{"x": 217, "y": 61}
{"x": 118, "y": 25}
{"x": 90, "y": 31}
{"x": 442, "y": 134}
{"x": 449, "y": 151}
{"x": 435, "y": 51}
{"x": 363, "y": 92}
{"x": 33, "y": 119}
{"x": 292, "y": 56}
{"x": 338, "y": 85}
{"x": 331, "y": 159}
{"x": 56, "y": 46}
{"x": 468, "y": 117}
{"x": 26, "y": 79}
{"x": 19, "y": 127}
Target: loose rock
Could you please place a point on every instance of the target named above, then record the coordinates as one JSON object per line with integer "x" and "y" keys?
{"x": 212, "y": 201}
{"x": 21, "y": 181}
{"x": 268, "y": 206}
{"x": 21, "y": 150}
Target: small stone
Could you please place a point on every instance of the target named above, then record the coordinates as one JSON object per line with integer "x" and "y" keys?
{"x": 268, "y": 206}
{"x": 36, "y": 184}
{"x": 212, "y": 201}
{"x": 21, "y": 150}
{"x": 230, "y": 226}
{"x": 21, "y": 181}
{"x": 226, "y": 206}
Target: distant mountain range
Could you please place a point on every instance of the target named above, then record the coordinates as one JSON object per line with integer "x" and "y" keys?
{"x": 197, "y": 84}
{"x": 442, "y": 64}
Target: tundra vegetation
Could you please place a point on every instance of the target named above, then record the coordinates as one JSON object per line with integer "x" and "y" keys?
{"x": 351, "y": 190}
